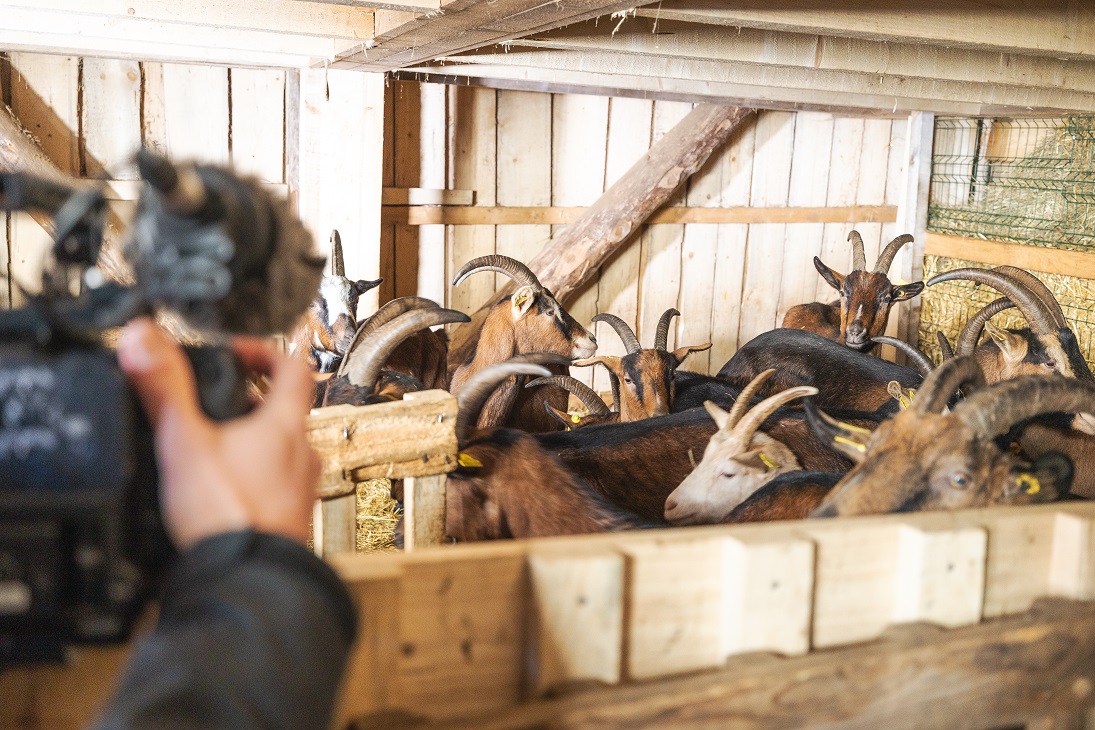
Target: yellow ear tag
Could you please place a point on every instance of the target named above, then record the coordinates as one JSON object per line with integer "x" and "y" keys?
{"x": 1030, "y": 482}
{"x": 467, "y": 460}
{"x": 768, "y": 462}
{"x": 575, "y": 419}
{"x": 848, "y": 442}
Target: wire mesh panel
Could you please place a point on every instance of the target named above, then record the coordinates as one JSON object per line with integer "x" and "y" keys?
{"x": 1029, "y": 181}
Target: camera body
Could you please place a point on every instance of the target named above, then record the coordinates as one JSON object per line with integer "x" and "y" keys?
{"x": 82, "y": 544}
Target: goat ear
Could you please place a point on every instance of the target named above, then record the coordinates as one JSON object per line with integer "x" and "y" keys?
{"x": 906, "y": 291}
{"x": 563, "y": 417}
{"x": 755, "y": 459}
{"x": 718, "y": 414}
{"x": 609, "y": 361}
{"x": 682, "y": 352}
{"x": 1013, "y": 346}
{"x": 835, "y": 280}
{"x": 521, "y": 301}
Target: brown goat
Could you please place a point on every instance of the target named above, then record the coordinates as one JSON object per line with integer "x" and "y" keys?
{"x": 423, "y": 355}
{"x": 642, "y": 380}
{"x": 791, "y": 496}
{"x": 598, "y": 411}
{"x": 530, "y": 320}
{"x": 922, "y": 459}
{"x": 865, "y": 298}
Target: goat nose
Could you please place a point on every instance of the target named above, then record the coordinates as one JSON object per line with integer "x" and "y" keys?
{"x": 855, "y": 329}
{"x": 670, "y": 505}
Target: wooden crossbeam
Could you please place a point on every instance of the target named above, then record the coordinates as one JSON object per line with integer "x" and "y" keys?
{"x": 555, "y": 215}
{"x": 998, "y": 253}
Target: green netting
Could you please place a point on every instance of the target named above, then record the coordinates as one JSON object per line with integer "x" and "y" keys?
{"x": 1027, "y": 181}
{"x": 947, "y": 306}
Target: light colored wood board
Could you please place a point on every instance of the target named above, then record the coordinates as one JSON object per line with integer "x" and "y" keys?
{"x": 629, "y": 126}
{"x": 579, "y": 132}
{"x": 370, "y": 669}
{"x": 428, "y": 196}
{"x": 339, "y": 529}
{"x": 153, "y": 106}
{"x": 913, "y": 210}
{"x": 678, "y": 630}
{"x": 578, "y": 612}
{"x": 44, "y": 98}
{"x": 808, "y": 187}
{"x": 258, "y": 123}
{"x": 407, "y": 169}
{"x": 939, "y": 576}
{"x": 461, "y": 636}
{"x": 1072, "y": 570}
{"x": 726, "y": 299}
{"x": 434, "y": 155}
{"x": 769, "y": 584}
{"x": 997, "y": 253}
{"x": 901, "y": 269}
{"x": 5, "y": 261}
{"x": 843, "y": 188}
{"x": 197, "y": 131}
{"x": 389, "y": 440}
{"x": 474, "y": 167}
{"x": 1019, "y": 562}
{"x": 772, "y": 164}
{"x": 341, "y": 129}
{"x": 29, "y": 244}
{"x": 1055, "y": 31}
{"x": 424, "y": 512}
{"x": 111, "y": 117}
{"x": 524, "y": 167}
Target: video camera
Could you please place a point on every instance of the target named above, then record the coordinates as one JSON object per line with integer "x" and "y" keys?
{"x": 81, "y": 540}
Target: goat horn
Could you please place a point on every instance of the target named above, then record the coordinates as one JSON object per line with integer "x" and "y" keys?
{"x": 512, "y": 268}
{"x": 1041, "y": 320}
{"x": 938, "y": 387}
{"x": 859, "y": 259}
{"x": 661, "y": 338}
{"x": 1032, "y": 282}
{"x": 478, "y": 388}
{"x": 993, "y": 411}
{"x": 945, "y": 350}
{"x": 751, "y": 421}
{"x": 627, "y": 335}
{"x": 971, "y": 332}
{"x": 922, "y": 361}
{"x": 382, "y": 316}
{"x": 338, "y": 264}
{"x": 365, "y": 363}
{"x": 885, "y": 259}
{"x": 741, "y": 403}
{"x": 587, "y": 395}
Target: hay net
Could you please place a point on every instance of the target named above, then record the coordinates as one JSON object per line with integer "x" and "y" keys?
{"x": 1024, "y": 181}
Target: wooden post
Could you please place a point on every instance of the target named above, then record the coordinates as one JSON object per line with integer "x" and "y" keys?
{"x": 573, "y": 257}
{"x": 423, "y": 512}
{"x": 339, "y": 528}
{"x": 912, "y": 216}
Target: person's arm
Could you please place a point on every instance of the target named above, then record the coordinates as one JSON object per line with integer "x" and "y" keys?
{"x": 254, "y": 630}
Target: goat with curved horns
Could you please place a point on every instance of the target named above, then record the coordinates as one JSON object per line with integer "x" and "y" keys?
{"x": 923, "y": 459}
{"x": 598, "y": 410}
{"x": 642, "y": 380}
{"x": 529, "y": 320}
{"x": 865, "y": 298}
{"x": 325, "y": 335}
{"x": 423, "y": 355}
{"x": 738, "y": 459}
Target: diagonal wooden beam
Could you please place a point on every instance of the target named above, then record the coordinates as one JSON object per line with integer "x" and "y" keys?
{"x": 574, "y": 256}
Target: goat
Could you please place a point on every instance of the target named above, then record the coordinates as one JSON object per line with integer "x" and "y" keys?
{"x": 422, "y": 355}
{"x": 845, "y": 378}
{"x": 529, "y": 320}
{"x": 922, "y": 459}
{"x": 598, "y": 410}
{"x": 865, "y": 298}
{"x": 642, "y": 380}
{"x": 737, "y": 461}
{"x": 323, "y": 338}
{"x": 790, "y": 496}
{"x": 365, "y": 379}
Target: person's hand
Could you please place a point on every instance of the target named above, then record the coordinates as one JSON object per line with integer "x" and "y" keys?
{"x": 255, "y": 472}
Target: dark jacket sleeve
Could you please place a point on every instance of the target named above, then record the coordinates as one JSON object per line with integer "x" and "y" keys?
{"x": 254, "y": 632}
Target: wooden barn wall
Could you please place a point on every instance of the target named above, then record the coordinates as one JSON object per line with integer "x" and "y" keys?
{"x": 314, "y": 135}
{"x": 729, "y": 281}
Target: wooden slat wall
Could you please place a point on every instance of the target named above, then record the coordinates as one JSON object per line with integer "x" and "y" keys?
{"x": 730, "y": 281}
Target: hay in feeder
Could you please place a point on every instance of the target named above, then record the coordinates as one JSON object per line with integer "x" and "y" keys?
{"x": 377, "y": 515}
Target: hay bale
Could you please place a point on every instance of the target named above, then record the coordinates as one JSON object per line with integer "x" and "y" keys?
{"x": 377, "y": 515}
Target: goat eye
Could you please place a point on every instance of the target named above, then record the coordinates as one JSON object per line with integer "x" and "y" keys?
{"x": 960, "y": 479}
{"x": 887, "y": 300}
{"x": 1050, "y": 364}
{"x": 841, "y": 291}
{"x": 627, "y": 380}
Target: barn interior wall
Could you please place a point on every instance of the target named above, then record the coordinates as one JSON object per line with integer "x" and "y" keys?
{"x": 729, "y": 281}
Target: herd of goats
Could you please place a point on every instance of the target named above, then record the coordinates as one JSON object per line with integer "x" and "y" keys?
{"x": 801, "y": 422}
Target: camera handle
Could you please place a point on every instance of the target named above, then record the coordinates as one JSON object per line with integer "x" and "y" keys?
{"x": 222, "y": 381}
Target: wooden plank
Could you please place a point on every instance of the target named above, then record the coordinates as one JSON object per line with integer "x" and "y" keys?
{"x": 998, "y": 253}
{"x": 45, "y": 100}
{"x": 111, "y": 123}
{"x": 407, "y": 171}
{"x": 574, "y": 257}
{"x": 338, "y": 531}
{"x": 1005, "y": 673}
{"x": 433, "y": 153}
{"x": 258, "y": 123}
{"x": 940, "y": 575}
{"x": 475, "y": 167}
{"x": 913, "y": 214}
{"x": 424, "y": 512}
{"x": 629, "y": 126}
{"x": 902, "y": 266}
{"x": 843, "y": 188}
{"x": 764, "y": 255}
{"x": 1056, "y": 29}
{"x": 408, "y": 438}
{"x": 516, "y": 215}
{"x": 427, "y": 196}
{"x": 578, "y": 611}
{"x": 189, "y": 130}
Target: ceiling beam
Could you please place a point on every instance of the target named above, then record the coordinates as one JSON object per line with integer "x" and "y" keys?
{"x": 674, "y": 39}
{"x": 1054, "y": 27}
{"x": 779, "y": 84}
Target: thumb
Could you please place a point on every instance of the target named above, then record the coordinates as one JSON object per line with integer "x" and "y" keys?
{"x": 160, "y": 372}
